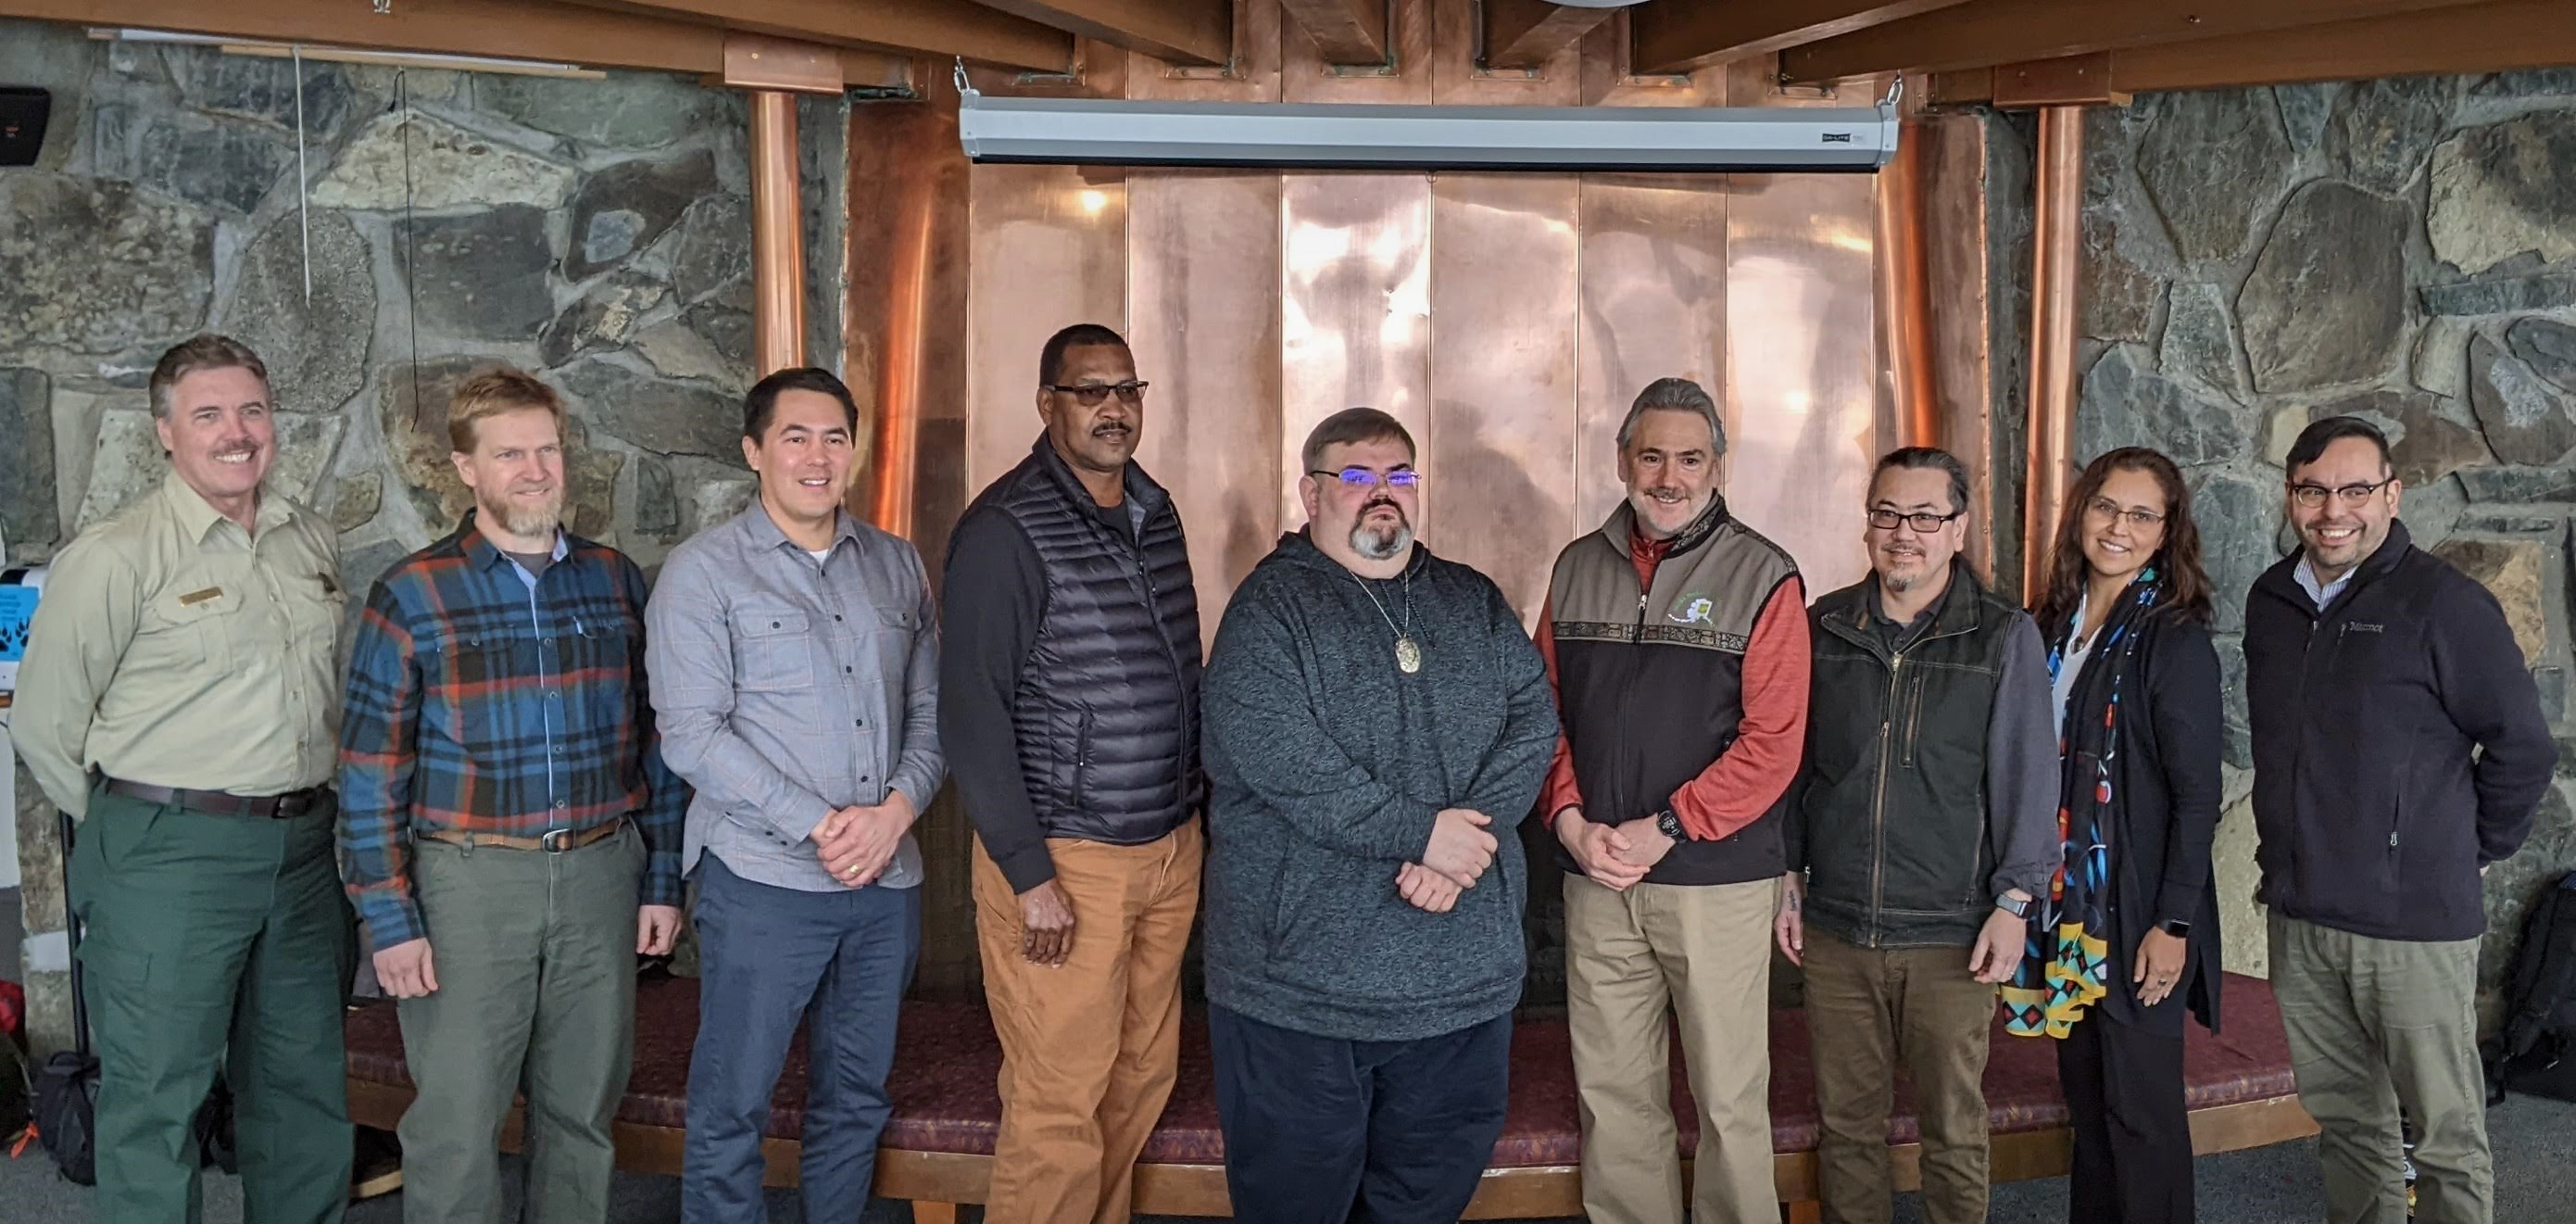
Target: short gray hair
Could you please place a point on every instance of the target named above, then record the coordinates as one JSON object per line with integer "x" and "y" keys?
{"x": 197, "y": 354}
{"x": 1675, "y": 395}
{"x": 1351, "y": 426}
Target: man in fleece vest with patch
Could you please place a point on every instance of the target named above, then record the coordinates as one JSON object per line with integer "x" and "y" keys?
{"x": 1377, "y": 726}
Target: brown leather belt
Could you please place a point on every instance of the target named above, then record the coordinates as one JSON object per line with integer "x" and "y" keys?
{"x": 290, "y": 806}
{"x": 554, "y": 841}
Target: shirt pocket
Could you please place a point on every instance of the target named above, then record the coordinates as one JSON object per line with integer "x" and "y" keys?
{"x": 195, "y": 627}
{"x": 773, "y": 650}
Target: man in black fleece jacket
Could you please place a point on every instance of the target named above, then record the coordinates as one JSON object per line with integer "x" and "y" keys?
{"x": 1377, "y": 725}
{"x": 2399, "y": 749}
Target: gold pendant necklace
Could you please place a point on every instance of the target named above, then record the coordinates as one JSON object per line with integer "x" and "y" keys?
{"x": 1408, "y": 654}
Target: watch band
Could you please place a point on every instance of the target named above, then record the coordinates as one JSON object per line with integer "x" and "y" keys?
{"x": 1669, "y": 823}
{"x": 2175, "y": 927}
{"x": 2018, "y": 909}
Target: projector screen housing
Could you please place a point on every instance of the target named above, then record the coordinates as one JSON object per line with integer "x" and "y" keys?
{"x": 1311, "y": 136}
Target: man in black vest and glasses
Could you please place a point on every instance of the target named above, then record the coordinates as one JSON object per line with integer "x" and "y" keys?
{"x": 1069, "y": 692}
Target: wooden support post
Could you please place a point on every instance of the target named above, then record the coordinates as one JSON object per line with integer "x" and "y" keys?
{"x": 777, "y": 236}
{"x": 2056, "y": 239}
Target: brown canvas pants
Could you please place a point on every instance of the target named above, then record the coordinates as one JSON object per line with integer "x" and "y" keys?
{"x": 1868, "y": 1009}
{"x": 1090, "y": 1047}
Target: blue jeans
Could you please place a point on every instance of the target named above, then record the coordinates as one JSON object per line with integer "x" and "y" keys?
{"x": 766, "y": 955}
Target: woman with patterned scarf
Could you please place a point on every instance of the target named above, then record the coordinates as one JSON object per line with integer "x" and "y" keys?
{"x": 2127, "y": 937}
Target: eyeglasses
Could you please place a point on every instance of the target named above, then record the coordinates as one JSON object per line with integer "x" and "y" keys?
{"x": 2105, "y": 509}
{"x": 1925, "y": 522}
{"x": 1090, "y": 395}
{"x": 2312, "y": 496}
{"x": 1361, "y": 478}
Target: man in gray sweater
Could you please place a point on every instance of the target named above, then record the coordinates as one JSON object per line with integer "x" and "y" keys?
{"x": 1377, "y": 725}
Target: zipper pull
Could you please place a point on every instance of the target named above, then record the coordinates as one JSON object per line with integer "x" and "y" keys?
{"x": 1641, "y": 603}
{"x": 2392, "y": 839}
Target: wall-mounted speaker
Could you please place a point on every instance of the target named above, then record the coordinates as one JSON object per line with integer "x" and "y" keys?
{"x": 22, "y": 123}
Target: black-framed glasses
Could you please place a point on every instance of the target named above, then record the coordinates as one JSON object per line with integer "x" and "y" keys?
{"x": 1090, "y": 395}
{"x": 2105, "y": 509}
{"x": 1923, "y": 521}
{"x": 2312, "y": 495}
{"x": 1360, "y": 477}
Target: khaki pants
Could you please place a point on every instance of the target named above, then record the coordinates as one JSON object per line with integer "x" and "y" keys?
{"x": 1702, "y": 954}
{"x": 535, "y": 957}
{"x": 1089, "y": 1048}
{"x": 1867, "y": 1009}
{"x": 2375, "y": 1024}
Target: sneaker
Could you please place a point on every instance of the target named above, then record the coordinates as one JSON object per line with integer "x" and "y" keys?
{"x": 377, "y": 1167}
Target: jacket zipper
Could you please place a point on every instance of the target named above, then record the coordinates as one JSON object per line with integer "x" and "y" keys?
{"x": 1878, "y": 800}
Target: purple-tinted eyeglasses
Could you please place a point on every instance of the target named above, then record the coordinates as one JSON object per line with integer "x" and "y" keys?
{"x": 1360, "y": 477}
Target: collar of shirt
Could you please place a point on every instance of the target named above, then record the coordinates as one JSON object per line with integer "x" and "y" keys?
{"x": 483, "y": 554}
{"x": 765, "y": 535}
{"x": 2324, "y": 593}
{"x": 197, "y": 516}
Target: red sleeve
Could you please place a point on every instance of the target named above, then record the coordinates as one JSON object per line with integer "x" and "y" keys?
{"x": 1743, "y": 783}
{"x": 1560, "y": 792}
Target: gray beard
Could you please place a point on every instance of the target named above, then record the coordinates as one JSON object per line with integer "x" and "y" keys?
{"x": 1381, "y": 544}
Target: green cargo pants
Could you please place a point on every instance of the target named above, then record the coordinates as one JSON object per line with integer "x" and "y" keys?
{"x": 214, "y": 941}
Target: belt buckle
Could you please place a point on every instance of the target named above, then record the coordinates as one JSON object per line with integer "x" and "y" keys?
{"x": 555, "y": 841}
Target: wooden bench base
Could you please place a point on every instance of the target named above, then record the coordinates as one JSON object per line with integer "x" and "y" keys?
{"x": 936, "y": 1182}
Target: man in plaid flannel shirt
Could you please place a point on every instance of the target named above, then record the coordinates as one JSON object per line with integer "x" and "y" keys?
{"x": 508, "y": 831}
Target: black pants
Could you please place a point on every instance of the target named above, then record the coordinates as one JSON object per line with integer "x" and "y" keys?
{"x": 1323, "y": 1131}
{"x": 2132, "y": 1132}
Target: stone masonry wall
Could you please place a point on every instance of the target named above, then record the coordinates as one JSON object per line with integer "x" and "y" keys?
{"x": 2404, "y": 250}
{"x": 597, "y": 231}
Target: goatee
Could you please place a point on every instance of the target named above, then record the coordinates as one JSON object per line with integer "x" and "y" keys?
{"x": 1381, "y": 543}
{"x": 530, "y": 521}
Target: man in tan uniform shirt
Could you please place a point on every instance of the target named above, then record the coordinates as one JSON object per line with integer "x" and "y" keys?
{"x": 179, "y": 697}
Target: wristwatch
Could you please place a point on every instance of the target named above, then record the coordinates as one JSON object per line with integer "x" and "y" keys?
{"x": 2175, "y": 927}
{"x": 1669, "y": 823}
{"x": 2018, "y": 909}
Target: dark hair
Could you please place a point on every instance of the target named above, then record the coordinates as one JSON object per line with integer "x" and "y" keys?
{"x": 761, "y": 403}
{"x": 2313, "y": 440}
{"x": 196, "y": 354}
{"x": 2177, "y": 562}
{"x": 1352, "y": 425}
{"x": 1080, "y": 335}
{"x": 1916, "y": 458}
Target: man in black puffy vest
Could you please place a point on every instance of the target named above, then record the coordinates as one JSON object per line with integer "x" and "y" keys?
{"x": 1069, "y": 707}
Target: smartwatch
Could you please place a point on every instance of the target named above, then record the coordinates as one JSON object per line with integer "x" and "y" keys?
{"x": 2175, "y": 927}
{"x": 1669, "y": 823}
{"x": 2018, "y": 909}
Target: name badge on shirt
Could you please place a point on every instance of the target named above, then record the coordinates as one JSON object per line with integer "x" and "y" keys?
{"x": 193, "y": 598}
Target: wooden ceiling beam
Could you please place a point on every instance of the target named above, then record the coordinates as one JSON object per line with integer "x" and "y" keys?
{"x": 1676, "y": 36}
{"x": 2498, "y": 36}
{"x": 1987, "y": 32}
{"x": 933, "y": 27}
{"x": 506, "y": 29}
{"x": 1348, "y": 31}
{"x": 1199, "y": 32}
{"x": 1526, "y": 34}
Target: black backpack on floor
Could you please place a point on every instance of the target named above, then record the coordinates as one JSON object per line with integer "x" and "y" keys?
{"x": 66, "y": 1085}
{"x": 2535, "y": 1052}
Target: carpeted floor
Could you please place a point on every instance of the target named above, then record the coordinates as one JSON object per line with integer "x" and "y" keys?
{"x": 2535, "y": 1151}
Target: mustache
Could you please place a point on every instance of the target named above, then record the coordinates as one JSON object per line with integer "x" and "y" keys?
{"x": 1106, "y": 428}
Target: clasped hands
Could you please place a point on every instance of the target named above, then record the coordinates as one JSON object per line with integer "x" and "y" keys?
{"x": 1462, "y": 846}
{"x": 1614, "y": 856}
{"x": 857, "y": 843}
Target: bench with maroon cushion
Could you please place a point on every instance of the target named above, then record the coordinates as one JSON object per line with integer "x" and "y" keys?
{"x": 947, "y": 1109}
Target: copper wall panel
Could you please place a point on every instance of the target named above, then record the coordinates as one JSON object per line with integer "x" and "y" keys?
{"x": 1252, "y": 77}
{"x": 1355, "y": 307}
{"x": 1048, "y": 248}
{"x": 1099, "y": 71}
{"x": 906, "y": 315}
{"x": 1606, "y": 80}
{"x": 1955, "y": 257}
{"x": 1305, "y": 77}
{"x": 1457, "y": 27}
{"x": 1203, "y": 316}
{"x": 1652, "y": 305}
{"x": 1498, "y": 475}
{"x": 1810, "y": 412}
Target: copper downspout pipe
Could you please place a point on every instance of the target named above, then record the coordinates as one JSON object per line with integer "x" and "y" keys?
{"x": 777, "y": 236}
{"x": 2056, "y": 237}
{"x": 899, "y": 383}
{"x": 1905, "y": 275}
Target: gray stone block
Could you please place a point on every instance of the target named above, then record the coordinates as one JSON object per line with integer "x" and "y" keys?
{"x": 408, "y": 160}
{"x": 254, "y": 87}
{"x": 2239, "y": 526}
{"x": 483, "y": 276}
{"x": 631, "y": 110}
{"x": 29, "y": 519}
{"x": 140, "y": 272}
{"x": 2500, "y": 295}
{"x": 2125, "y": 405}
{"x": 607, "y": 317}
{"x": 629, "y": 206}
{"x": 2326, "y": 299}
{"x": 2384, "y": 129}
{"x": 213, "y": 164}
{"x": 2526, "y": 419}
{"x": 655, "y": 414}
{"x": 2499, "y": 191}
{"x": 316, "y": 348}
{"x": 2210, "y": 161}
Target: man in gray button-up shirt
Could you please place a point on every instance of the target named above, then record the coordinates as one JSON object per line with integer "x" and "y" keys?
{"x": 794, "y": 664}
